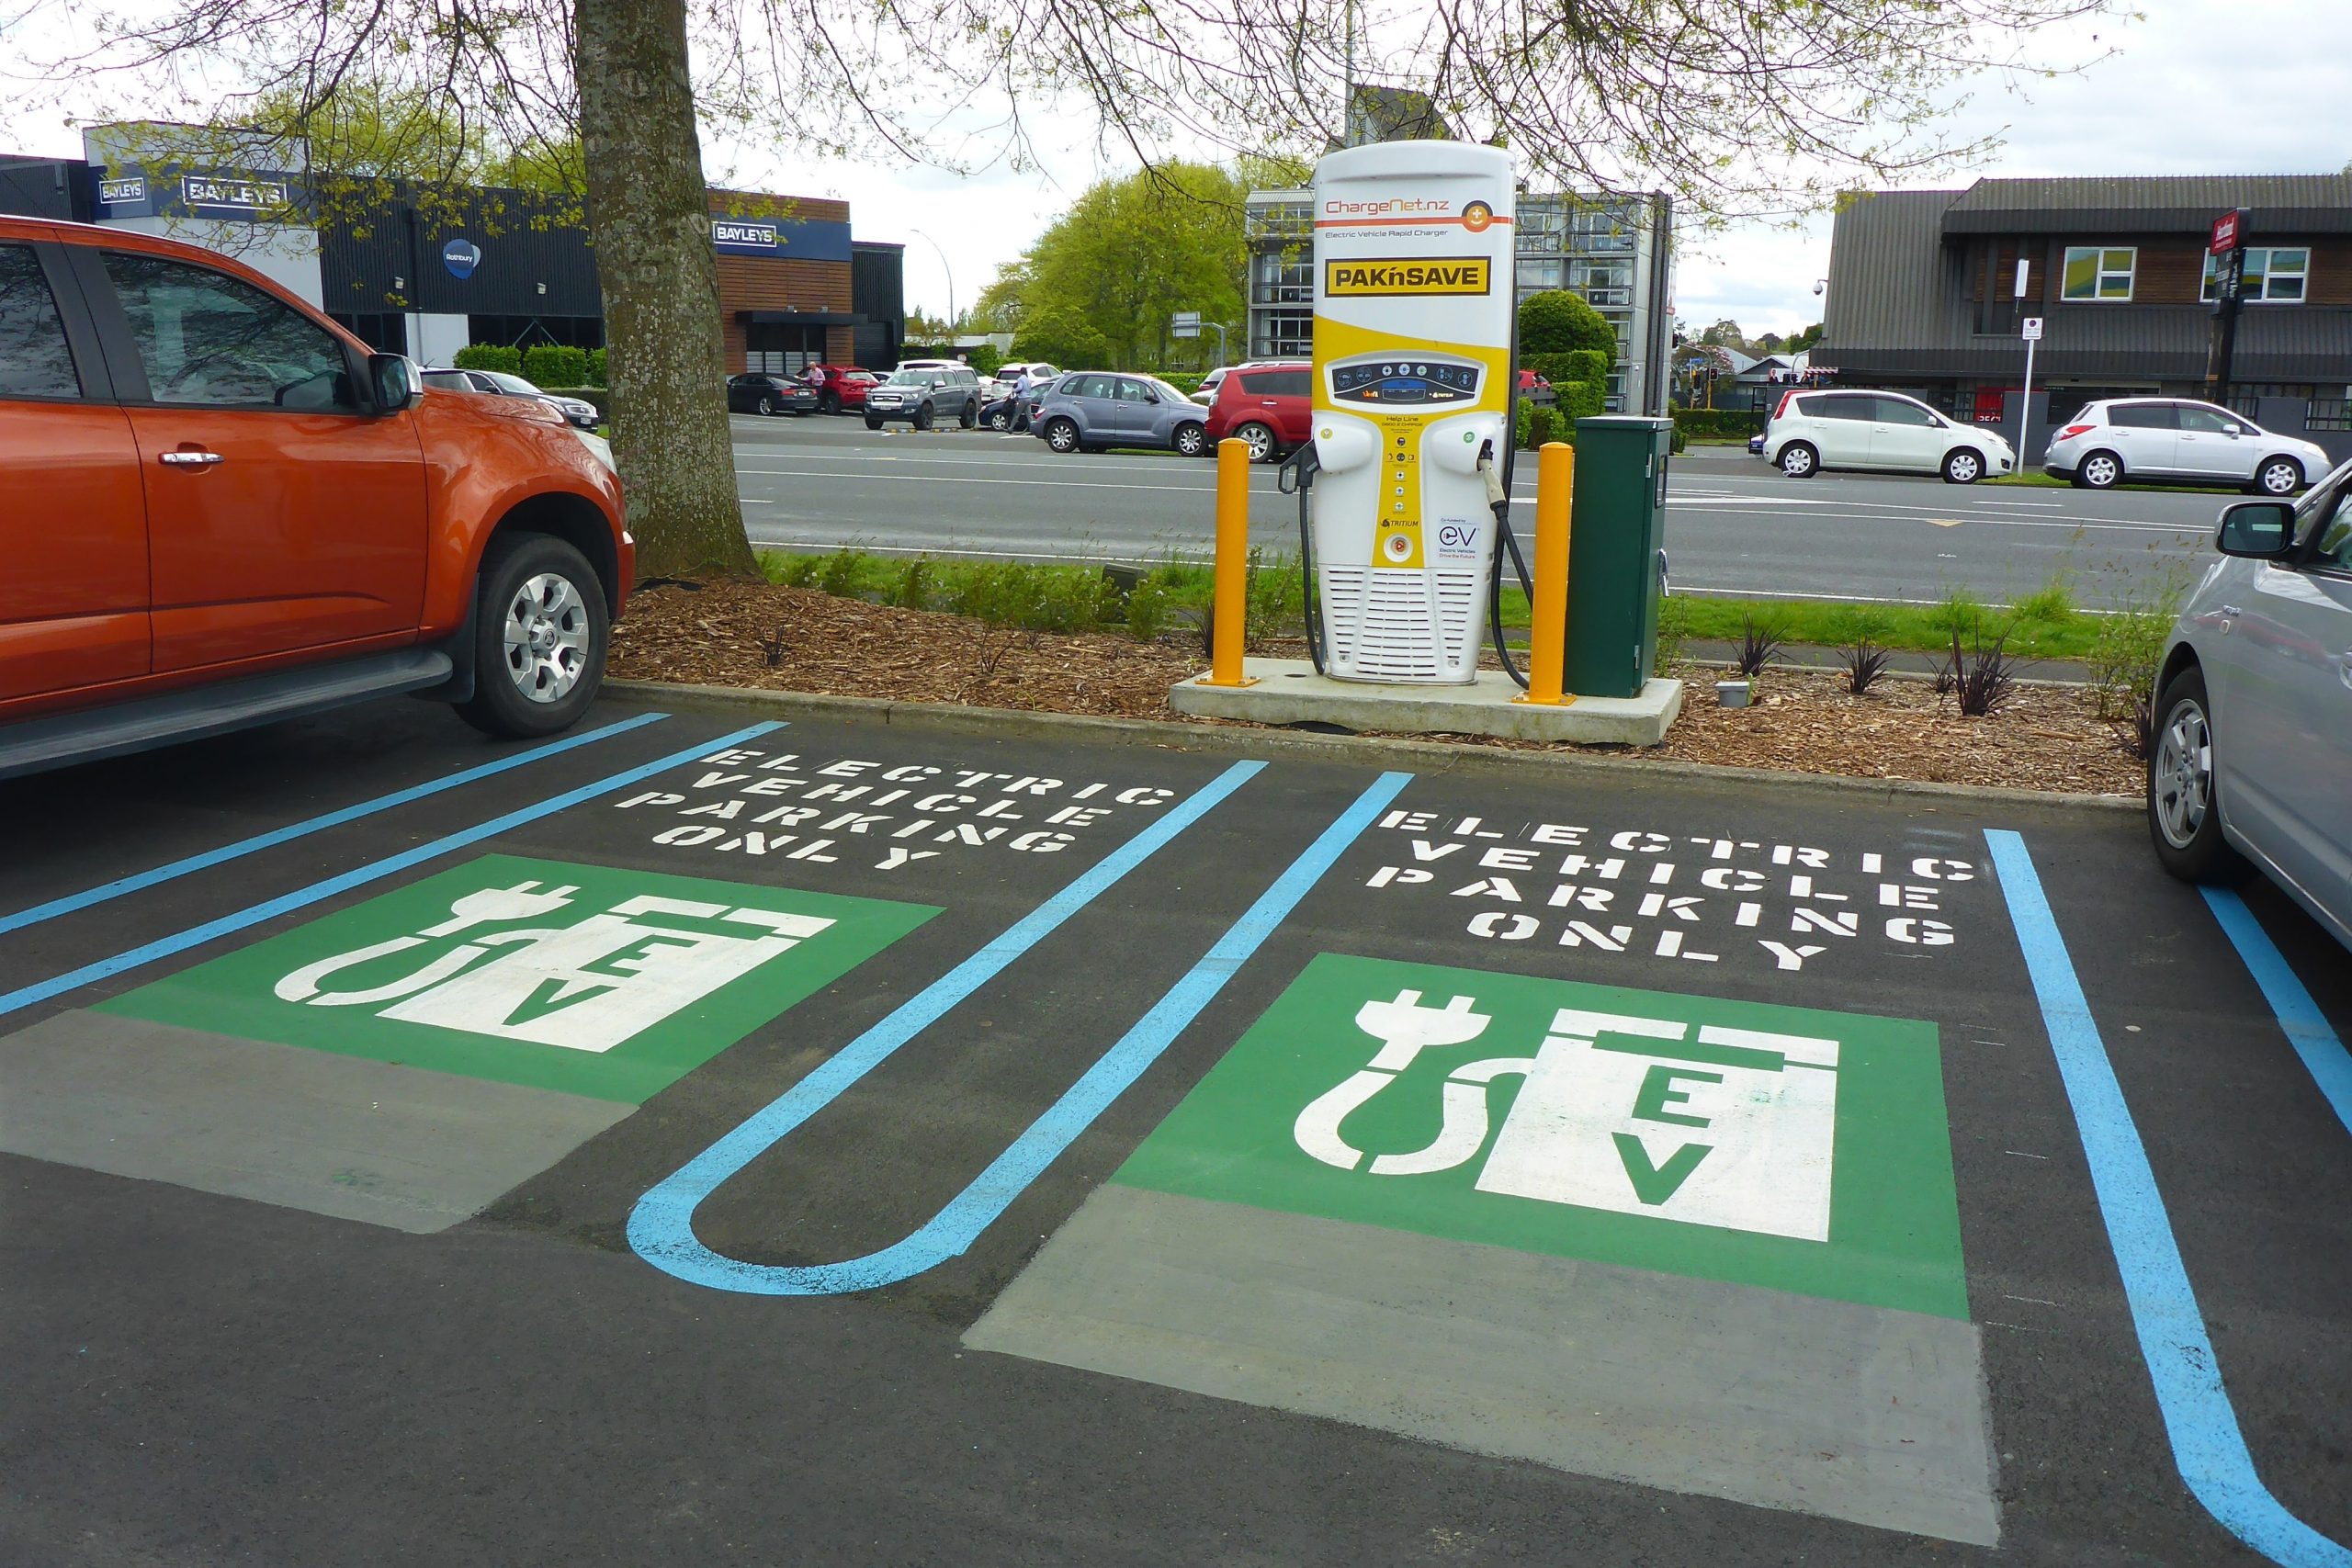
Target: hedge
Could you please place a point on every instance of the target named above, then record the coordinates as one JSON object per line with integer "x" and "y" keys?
{"x": 550, "y": 366}
{"x": 1703, "y": 424}
{"x": 596, "y": 368}
{"x": 488, "y": 356}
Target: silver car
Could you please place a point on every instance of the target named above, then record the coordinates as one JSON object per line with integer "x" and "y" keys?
{"x": 1089, "y": 409}
{"x": 2175, "y": 441}
{"x": 2250, "y": 765}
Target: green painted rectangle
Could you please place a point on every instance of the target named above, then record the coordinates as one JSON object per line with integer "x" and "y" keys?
{"x": 1827, "y": 1175}
{"x": 586, "y": 980}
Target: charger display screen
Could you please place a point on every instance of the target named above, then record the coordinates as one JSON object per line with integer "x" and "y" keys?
{"x": 1405, "y": 382}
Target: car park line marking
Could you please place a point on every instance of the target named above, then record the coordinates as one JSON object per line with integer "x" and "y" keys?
{"x": 302, "y": 898}
{"x": 140, "y": 881}
{"x": 2208, "y": 1445}
{"x": 662, "y": 1226}
{"x": 2306, "y": 1027}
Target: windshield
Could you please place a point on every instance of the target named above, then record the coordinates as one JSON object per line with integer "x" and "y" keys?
{"x": 911, "y": 378}
{"x": 515, "y": 384}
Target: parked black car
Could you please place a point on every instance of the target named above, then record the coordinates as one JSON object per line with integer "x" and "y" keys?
{"x": 761, "y": 393}
{"x": 1008, "y": 413}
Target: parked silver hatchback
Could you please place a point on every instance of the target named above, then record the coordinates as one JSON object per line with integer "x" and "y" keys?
{"x": 2251, "y": 761}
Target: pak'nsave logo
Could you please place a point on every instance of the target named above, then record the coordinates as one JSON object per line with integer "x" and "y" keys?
{"x": 1445, "y": 275}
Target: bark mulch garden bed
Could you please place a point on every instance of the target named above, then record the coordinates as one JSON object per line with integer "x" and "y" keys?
{"x": 797, "y": 640}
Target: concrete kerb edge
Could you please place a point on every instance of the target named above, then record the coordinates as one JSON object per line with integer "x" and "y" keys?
{"x": 1420, "y": 756}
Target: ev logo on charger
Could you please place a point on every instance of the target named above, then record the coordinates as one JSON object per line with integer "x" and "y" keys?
{"x": 1457, "y": 540}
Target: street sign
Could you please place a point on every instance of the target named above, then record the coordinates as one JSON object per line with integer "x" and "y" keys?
{"x": 2033, "y": 329}
{"x": 2226, "y": 232}
{"x": 1184, "y": 323}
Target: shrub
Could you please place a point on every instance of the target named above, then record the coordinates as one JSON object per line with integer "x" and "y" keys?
{"x": 1539, "y": 426}
{"x": 2052, "y": 602}
{"x": 912, "y": 588}
{"x": 1558, "y": 322}
{"x": 1587, "y": 365}
{"x": 1716, "y": 424}
{"x": 841, "y": 573}
{"x": 1580, "y": 399}
{"x": 551, "y": 365}
{"x": 595, "y": 369}
{"x": 792, "y": 570}
{"x": 1958, "y": 613}
{"x": 1673, "y": 628}
{"x": 1522, "y": 422}
{"x": 1759, "y": 640}
{"x": 984, "y": 359}
{"x": 1864, "y": 662}
{"x": 1148, "y": 609}
{"x": 2126, "y": 656}
{"x": 488, "y": 356}
{"x": 1983, "y": 681}
{"x": 1277, "y": 597}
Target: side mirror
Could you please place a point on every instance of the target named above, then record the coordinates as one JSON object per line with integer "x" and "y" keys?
{"x": 395, "y": 381}
{"x": 2258, "y": 530}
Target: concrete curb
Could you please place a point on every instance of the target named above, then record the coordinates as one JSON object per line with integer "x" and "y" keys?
{"x": 1364, "y": 751}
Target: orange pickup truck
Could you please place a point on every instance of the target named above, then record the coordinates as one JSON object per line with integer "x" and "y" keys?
{"x": 217, "y": 509}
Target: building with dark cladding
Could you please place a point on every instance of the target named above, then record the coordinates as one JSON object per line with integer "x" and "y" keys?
{"x": 1923, "y": 296}
{"x": 426, "y": 272}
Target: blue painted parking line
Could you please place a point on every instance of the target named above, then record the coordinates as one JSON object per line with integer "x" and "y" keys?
{"x": 302, "y": 898}
{"x": 2206, "y": 1444}
{"x": 188, "y": 866}
{"x": 2306, "y": 1027}
{"x": 661, "y": 1227}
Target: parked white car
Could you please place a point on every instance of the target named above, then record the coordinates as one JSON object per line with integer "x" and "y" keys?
{"x": 1884, "y": 431}
{"x": 2253, "y": 723}
{"x": 2173, "y": 439}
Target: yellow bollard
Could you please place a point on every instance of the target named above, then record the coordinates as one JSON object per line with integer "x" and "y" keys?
{"x": 1230, "y": 609}
{"x": 1547, "y": 638}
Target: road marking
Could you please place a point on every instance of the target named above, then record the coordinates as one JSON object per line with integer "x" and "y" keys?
{"x": 2208, "y": 1445}
{"x": 2306, "y": 1027}
{"x": 141, "y": 881}
{"x": 661, "y": 1228}
{"x": 304, "y": 898}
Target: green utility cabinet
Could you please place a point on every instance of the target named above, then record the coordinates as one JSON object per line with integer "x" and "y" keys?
{"x": 1616, "y": 553}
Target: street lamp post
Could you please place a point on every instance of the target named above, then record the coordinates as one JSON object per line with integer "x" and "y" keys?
{"x": 944, "y": 267}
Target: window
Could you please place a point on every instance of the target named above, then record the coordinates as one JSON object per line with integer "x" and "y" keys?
{"x": 2143, "y": 416}
{"x": 2207, "y": 421}
{"x": 1902, "y": 411}
{"x": 2275, "y": 275}
{"x": 1845, "y": 406}
{"x": 2332, "y": 546}
{"x": 2095, "y": 273}
{"x": 1093, "y": 387}
{"x": 1540, "y": 274}
{"x": 1282, "y": 334}
{"x": 34, "y": 360}
{"x": 1275, "y": 383}
{"x": 213, "y": 341}
{"x": 1132, "y": 391}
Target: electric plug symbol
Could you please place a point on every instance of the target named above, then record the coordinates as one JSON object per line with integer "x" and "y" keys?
{"x": 1405, "y": 1027}
{"x": 521, "y": 902}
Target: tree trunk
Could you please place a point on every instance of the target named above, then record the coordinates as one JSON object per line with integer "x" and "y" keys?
{"x": 649, "y": 213}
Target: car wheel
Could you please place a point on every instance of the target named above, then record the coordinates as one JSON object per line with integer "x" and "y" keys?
{"x": 766, "y": 406}
{"x": 1061, "y": 434}
{"x": 2184, "y": 815}
{"x": 829, "y": 402}
{"x": 1800, "y": 461}
{"x": 1259, "y": 439}
{"x": 970, "y": 416}
{"x": 2100, "y": 470}
{"x": 2278, "y": 476}
{"x": 1962, "y": 466}
{"x": 1190, "y": 440}
{"x": 540, "y": 633}
{"x": 1000, "y": 420}
{"x": 872, "y": 422}
{"x": 924, "y": 420}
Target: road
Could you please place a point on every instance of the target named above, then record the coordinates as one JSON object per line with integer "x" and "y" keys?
{"x": 1733, "y": 526}
{"x": 704, "y": 1140}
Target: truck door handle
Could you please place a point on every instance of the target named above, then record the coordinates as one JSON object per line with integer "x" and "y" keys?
{"x": 189, "y": 460}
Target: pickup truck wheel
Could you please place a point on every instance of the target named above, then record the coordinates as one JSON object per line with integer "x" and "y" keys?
{"x": 924, "y": 417}
{"x": 970, "y": 416}
{"x": 871, "y": 422}
{"x": 540, "y": 631}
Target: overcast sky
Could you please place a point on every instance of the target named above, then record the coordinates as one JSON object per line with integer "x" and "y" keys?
{"x": 2201, "y": 86}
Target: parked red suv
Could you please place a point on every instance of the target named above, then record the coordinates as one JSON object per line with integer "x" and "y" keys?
{"x": 840, "y": 388}
{"x": 1270, "y": 406}
{"x": 220, "y": 509}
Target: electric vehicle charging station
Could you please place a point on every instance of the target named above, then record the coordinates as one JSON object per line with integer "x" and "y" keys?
{"x": 1413, "y": 333}
{"x": 1403, "y": 489}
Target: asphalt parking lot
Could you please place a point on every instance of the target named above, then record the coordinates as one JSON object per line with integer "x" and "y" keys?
{"x": 1734, "y": 525}
{"x": 705, "y": 1139}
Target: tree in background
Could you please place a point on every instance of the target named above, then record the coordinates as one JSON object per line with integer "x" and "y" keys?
{"x": 1100, "y": 286}
{"x": 1732, "y": 106}
{"x": 1726, "y": 333}
{"x": 1803, "y": 342}
{"x": 1560, "y": 322}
